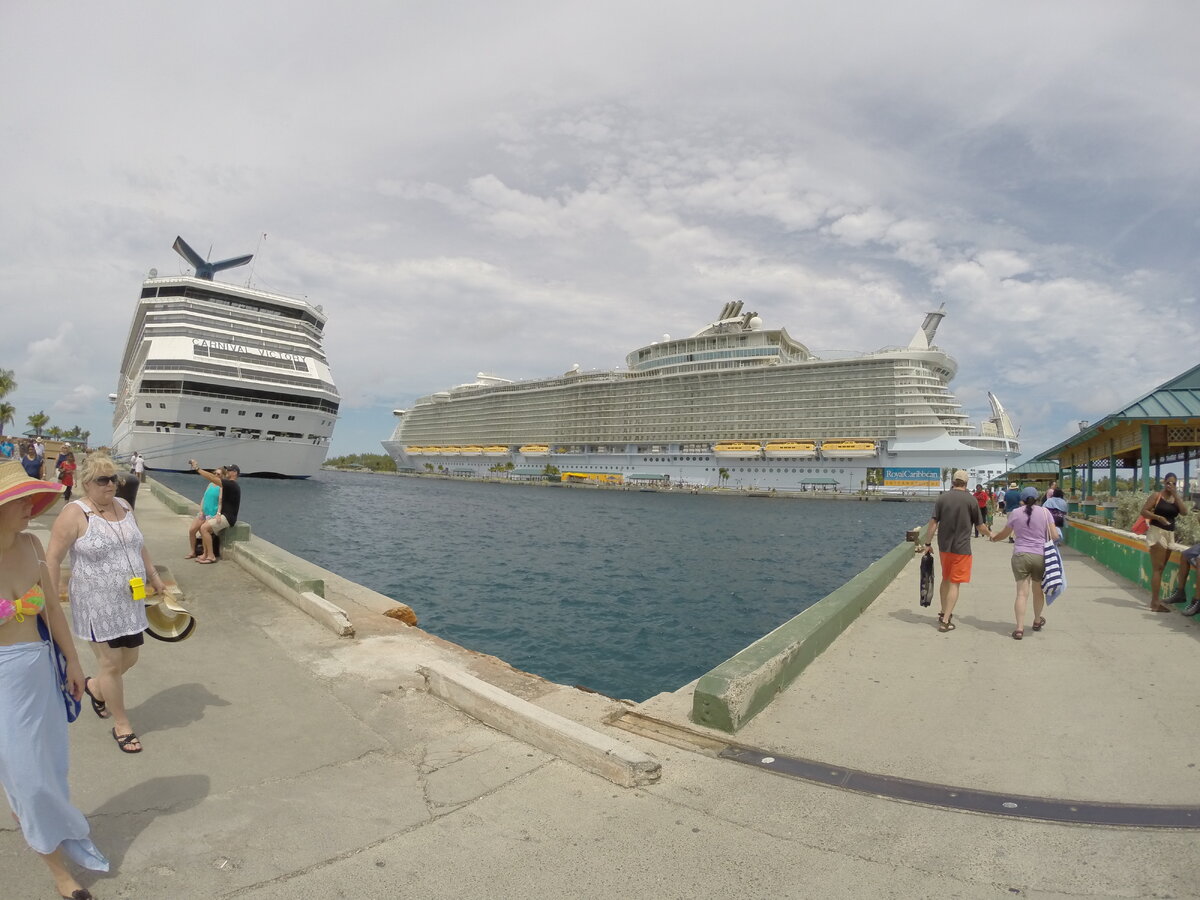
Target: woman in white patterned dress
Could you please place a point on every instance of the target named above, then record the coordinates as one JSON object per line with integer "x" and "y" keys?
{"x": 107, "y": 551}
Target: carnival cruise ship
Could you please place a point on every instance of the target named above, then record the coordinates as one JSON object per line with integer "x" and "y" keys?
{"x": 734, "y": 405}
{"x": 224, "y": 374}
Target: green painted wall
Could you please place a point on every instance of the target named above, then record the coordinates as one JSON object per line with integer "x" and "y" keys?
{"x": 1132, "y": 563}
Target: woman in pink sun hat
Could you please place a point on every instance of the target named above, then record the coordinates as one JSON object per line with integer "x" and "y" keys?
{"x": 33, "y": 723}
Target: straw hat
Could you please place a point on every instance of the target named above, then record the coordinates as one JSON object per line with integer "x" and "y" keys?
{"x": 15, "y": 484}
{"x": 167, "y": 620}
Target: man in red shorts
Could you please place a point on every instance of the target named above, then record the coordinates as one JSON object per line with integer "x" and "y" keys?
{"x": 955, "y": 514}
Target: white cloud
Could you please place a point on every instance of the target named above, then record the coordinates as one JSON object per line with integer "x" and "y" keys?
{"x": 521, "y": 187}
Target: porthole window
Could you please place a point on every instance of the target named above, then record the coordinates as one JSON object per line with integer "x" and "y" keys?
{"x": 208, "y": 409}
{"x": 241, "y": 412}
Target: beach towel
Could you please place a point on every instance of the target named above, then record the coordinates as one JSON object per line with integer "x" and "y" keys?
{"x": 1054, "y": 582}
{"x": 33, "y": 756}
{"x": 927, "y": 578}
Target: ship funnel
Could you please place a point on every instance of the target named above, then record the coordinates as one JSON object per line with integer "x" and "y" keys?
{"x": 737, "y": 308}
{"x": 204, "y": 268}
{"x": 923, "y": 339}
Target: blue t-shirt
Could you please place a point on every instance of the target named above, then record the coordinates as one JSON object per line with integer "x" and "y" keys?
{"x": 6, "y": 449}
{"x": 1012, "y": 499}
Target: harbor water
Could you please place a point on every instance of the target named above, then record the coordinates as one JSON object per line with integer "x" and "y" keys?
{"x": 626, "y": 592}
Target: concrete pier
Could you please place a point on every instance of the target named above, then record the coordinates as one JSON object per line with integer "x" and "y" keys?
{"x": 285, "y": 760}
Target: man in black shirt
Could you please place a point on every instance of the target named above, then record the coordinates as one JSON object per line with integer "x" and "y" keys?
{"x": 227, "y": 511}
{"x": 955, "y": 514}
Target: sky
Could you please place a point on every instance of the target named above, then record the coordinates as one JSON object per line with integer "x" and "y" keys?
{"x": 519, "y": 187}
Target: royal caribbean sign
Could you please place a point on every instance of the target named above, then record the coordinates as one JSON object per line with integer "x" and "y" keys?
{"x": 912, "y": 478}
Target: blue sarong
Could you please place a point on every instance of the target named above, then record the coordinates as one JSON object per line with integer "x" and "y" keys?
{"x": 34, "y": 756}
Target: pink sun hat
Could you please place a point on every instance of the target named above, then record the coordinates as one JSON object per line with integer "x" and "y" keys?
{"x": 15, "y": 484}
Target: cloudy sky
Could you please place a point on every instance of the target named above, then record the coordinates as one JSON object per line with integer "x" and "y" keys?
{"x": 517, "y": 187}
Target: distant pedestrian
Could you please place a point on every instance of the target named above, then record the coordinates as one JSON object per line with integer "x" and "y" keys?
{"x": 1012, "y": 500}
{"x": 66, "y": 474}
{"x": 1058, "y": 510}
{"x": 954, "y": 514}
{"x": 7, "y": 449}
{"x": 1033, "y": 526}
{"x": 31, "y": 463}
{"x": 1161, "y": 510}
{"x": 39, "y": 448}
{"x": 981, "y": 497}
{"x": 210, "y": 503}
{"x": 231, "y": 502}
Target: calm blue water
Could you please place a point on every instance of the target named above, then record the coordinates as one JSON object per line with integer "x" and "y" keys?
{"x": 628, "y": 593}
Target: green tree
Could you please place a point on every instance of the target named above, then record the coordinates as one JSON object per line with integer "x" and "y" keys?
{"x": 54, "y": 433}
{"x": 8, "y": 382}
{"x": 37, "y": 422}
{"x": 723, "y": 474}
{"x": 8, "y": 413}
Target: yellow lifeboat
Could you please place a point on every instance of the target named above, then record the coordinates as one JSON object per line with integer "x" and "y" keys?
{"x": 736, "y": 449}
{"x": 471, "y": 450}
{"x": 451, "y": 451}
{"x": 495, "y": 450}
{"x": 535, "y": 450}
{"x": 791, "y": 450}
{"x": 414, "y": 451}
{"x": 847, "y": 449}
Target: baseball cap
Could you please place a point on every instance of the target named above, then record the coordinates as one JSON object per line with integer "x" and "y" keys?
{"x": 233, "y": 468}
{"x": 961, "y": 475}
{"x": 1029, "y": 492}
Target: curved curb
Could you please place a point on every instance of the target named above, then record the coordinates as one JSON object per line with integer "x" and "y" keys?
{"x": 1009, "y": 806}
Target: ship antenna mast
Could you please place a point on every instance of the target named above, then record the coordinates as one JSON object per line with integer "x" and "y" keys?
{"x": 204, "y": 268}
{"x": 250, "y": 278}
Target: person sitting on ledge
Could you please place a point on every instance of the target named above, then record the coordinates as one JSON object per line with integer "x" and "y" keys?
{"x": 231, "y": 501}
{"x": 209, "y": 504}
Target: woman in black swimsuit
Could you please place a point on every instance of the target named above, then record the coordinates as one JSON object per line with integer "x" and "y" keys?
{"x": 1161, "y": 510}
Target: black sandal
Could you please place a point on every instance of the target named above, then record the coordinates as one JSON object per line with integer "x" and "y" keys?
{"x": 99, "y": 707}
{"x": 124, "y": 740}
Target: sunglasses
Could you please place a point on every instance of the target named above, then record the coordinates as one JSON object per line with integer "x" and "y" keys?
{"x": 106, "y": 480}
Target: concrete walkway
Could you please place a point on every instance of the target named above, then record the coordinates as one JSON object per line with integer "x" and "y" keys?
{"x": 282, "y": 761}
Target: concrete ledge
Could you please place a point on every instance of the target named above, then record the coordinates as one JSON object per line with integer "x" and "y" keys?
{"x": 548, "y": 731}
{"x": 172, "y": 500}
{"x": 737, "y": 690}
{"x": 291, "y": 576}
{"x": 275, "y": 567}
{"x": 332, "y": 617}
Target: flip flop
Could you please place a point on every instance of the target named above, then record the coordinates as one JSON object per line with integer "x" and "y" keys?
{"x": 1039, "y": 623}
{"x": 205, "y": 562}
{"x": 99, "y": 707}
{"x": 1018, "y": 634}
{"x": 124, "y": 740}
{"x": 190, "y": 556}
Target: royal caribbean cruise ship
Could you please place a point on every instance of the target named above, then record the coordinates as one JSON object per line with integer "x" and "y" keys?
{"x": 734, "y": 405}
{"x": 224, "y": 374}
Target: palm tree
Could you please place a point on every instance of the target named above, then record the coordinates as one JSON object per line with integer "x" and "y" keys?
{"x": 8, "y": 413}
{"x": 37, "y": 422}
{"x": 8, "y": 382}
{"x": 723, "y": 474}
{"x": 54, "y": 433}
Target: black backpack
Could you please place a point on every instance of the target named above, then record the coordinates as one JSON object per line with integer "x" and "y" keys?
{"x": 1059, "y": 518}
